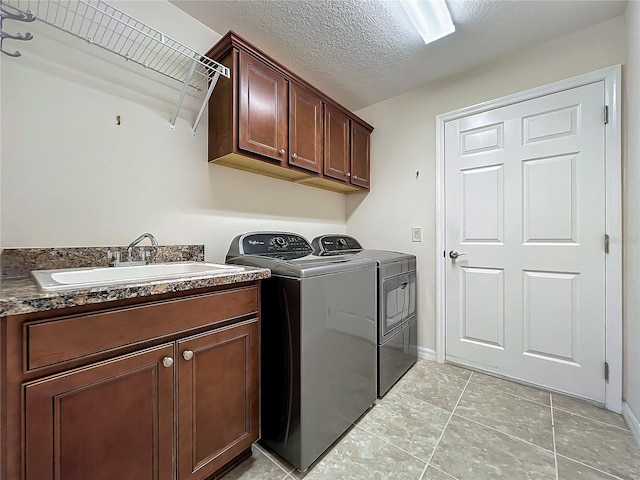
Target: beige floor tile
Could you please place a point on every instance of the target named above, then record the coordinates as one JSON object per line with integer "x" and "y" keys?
{"x": 440, "y": 385}
{"x": 512, "y": 415}
{"x": 570, "y": 470}
{"x": 572, "y": 405}
{"x": 362, "y": 456}
{"x": 512, "y": 388}
{"x": 446, "y": 368}
{"x": 413, "y": 425}
{"x": 470, "y": 451}
{"x": 258, "y": 467}
{"x": 607, "y": 448}
{"x": 433, "y": 473}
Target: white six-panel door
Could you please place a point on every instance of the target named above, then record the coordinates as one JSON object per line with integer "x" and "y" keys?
{"x": 525, "y": 211}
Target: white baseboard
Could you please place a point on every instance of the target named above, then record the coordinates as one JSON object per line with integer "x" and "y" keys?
{"x": 426, "y": 354}
{"x": 632, "y": 421}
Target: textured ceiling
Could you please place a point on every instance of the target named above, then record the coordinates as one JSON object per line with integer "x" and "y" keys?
{"x": 361, "y": 52}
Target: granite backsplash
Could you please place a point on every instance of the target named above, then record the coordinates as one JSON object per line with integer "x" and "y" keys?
{"x": 19, "y": 262}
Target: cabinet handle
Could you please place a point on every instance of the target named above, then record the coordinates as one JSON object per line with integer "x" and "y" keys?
{"x": 348, "y": 174}
{"x": 294, "y": 156}
{"x": 167, "y": 361}
{"x": 281, "y": 151}
{"x": 187, "y": 354}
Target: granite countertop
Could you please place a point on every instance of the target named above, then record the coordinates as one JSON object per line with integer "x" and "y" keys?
{"x": 19, "y": 293}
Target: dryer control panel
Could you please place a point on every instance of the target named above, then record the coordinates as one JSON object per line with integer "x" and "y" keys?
{"x": 335, "y": 245}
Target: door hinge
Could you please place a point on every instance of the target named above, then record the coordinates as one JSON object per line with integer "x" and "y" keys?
{"x": 606, "y": 114}
{"x": 606, "y": 243}
{"x": 606, "y": 371}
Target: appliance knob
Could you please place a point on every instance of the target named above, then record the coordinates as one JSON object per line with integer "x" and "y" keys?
{"x": 280, "y": 241}
{"x": 342, "y": 242}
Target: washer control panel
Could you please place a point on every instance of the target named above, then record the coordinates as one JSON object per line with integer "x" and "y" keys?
{"x": 275, "y": 244}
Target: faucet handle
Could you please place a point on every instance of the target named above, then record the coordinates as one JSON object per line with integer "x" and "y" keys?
{"x": 113, "y": 257}
{"x": 143, "y": 255}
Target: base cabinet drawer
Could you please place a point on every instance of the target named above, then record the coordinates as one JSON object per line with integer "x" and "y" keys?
{"x": 195, "y": 400}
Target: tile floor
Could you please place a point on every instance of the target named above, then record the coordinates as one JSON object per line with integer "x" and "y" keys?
{"x": 442, "y": 422}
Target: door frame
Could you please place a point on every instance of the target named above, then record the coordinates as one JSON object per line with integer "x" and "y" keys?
{"x": 613, "y": 214}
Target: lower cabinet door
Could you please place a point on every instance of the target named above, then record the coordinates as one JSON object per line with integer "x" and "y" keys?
{"x": 110, "y": 420}
{"x": 218, "y": 398}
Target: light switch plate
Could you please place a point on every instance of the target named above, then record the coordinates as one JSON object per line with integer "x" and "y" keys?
{"x": 416, "y": 234}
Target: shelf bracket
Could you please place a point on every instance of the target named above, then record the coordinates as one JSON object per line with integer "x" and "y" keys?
{"x": 185, "y": 86}
{"x": 212, "y": 85}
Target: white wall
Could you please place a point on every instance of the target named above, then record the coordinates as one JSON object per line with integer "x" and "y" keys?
{"x": 404, "y": 144}
{"x": 72, "y": 177}
{"x": 631, "y": 243}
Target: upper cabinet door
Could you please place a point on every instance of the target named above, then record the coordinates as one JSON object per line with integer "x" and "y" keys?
{"x": 336, "y": 144}
{"x": 360, "y": 147}
{"x": 305, "y": 129}
{"x": 263, "y": 109}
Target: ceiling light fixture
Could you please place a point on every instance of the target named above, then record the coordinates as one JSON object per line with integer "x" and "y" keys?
{"x": 430, "y": 17}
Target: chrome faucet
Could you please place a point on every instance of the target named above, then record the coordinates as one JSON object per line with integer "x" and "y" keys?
{"x": 154, "y": 243}
{"x": 114, "y": 257}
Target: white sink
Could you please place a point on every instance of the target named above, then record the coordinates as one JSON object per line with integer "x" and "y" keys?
{"x": 70, "y": 278}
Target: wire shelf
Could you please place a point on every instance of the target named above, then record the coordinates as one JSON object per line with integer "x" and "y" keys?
{"x": 111, "y": 29}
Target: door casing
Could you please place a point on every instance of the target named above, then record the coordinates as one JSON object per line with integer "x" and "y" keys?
{"x": 613, "y": 185}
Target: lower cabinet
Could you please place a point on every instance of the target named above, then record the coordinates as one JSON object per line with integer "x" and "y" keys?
{"x": 186, "y": 407}
{"x": 218, "y": 398}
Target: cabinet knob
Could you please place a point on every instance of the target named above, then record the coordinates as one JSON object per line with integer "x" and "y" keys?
{"x": 167, "y": 361}
{"x": 294, "y": 156}
{"x": 355, "y": 178}
{"x": 187, "y": 354}
{"x": 348, "y": 174}
{"x": 281, "y": 151}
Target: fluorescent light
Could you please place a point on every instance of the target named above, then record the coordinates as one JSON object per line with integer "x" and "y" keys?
{"x": 430, "y": 17}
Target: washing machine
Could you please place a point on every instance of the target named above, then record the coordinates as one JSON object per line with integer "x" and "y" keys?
{"x": 397, "y": 328}
{"x": 318, "y": 342}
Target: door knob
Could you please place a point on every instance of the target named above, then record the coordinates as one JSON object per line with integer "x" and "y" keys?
{"x": 453, "y": 254}
{"x": 187, "y": 354}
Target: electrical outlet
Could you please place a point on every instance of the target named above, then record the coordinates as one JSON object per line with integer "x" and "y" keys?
{"x": 416, "y": 234}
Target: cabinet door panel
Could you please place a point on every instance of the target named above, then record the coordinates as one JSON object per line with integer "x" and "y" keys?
{"x": 263, "y": 109}
{"x": 218, "y": 398}
{"x": 305, "y": 129}
{"x": 360, "y": 155}
{"x": 111, "y": 420}
{"x": 336, "y": 144}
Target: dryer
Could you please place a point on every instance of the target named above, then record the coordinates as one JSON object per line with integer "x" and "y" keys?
{"x": 397, "y": 332}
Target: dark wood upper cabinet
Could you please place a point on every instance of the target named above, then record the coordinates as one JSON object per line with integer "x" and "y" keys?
{"x": 336, "y": 144}
{"x": 266, "y": 114}
{"x": 263, "y": 109}
{"x": 360, "y": 154}
{"x": 218, "y": 400}
{"x": 305, "y": 129}
{"x": 112, "y": 420}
